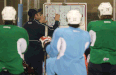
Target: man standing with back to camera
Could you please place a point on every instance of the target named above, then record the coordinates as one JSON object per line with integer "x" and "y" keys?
{"x": 67, "y": 48}
{"x": 36, "y": 29}
{"x": 103, "y": 42}
{"x": 13, "y": 43}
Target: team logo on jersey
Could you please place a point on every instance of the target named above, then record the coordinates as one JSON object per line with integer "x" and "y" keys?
{"x": 29, "y": 22}
{"x": 107, "y": 21}
{"x": 105, "y": 59}
{"x": 6, "y": 27}
{"x": 76, "y": 31}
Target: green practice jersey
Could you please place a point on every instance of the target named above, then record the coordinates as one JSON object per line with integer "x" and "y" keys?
{"x": 103, "y": 41}
{"x": 13, "y": 42}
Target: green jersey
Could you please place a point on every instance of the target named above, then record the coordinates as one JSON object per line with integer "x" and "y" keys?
{"x": 103, "y": 41}
{"x": 13, "y": 42}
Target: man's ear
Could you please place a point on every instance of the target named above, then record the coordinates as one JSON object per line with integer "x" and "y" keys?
{"x": 35, "y": 16}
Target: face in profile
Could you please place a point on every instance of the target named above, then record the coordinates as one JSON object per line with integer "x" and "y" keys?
{"x": 38, "y": 16}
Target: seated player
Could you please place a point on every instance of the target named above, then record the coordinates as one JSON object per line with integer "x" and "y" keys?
{"x": 13, "y": 43}
{"x": 66, "y": 50}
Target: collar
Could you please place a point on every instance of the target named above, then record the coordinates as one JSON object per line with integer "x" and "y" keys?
{"x": 107, "y": 20}
{"x": 74, "y": 28}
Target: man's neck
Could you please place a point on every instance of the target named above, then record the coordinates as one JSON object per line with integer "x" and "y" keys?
{"x": 8, "y": 23}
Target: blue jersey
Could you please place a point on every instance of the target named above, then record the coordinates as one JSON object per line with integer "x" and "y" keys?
{"x": 68, "y": 46}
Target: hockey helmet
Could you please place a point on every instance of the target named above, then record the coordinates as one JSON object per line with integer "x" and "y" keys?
{"x": 74, "y": 17}
{"x": 105, "y": 8}
{"x": 8, "y": 13}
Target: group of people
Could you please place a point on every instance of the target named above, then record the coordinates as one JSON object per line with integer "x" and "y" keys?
{"x": 66, "y": 48}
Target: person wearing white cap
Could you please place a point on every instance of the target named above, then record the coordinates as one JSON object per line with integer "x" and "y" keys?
{"x": 103, "y": 44}
{"x": 14, "y": 42}
{"x": 67, "y": 47}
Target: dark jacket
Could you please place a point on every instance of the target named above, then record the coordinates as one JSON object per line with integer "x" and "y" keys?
{"x": 36, "y": 30}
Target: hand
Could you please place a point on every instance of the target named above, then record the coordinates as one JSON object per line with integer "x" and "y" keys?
{"x": 57, "y": 17}
{"x": 45, "y": 40}
{"x": 42, "y": 19}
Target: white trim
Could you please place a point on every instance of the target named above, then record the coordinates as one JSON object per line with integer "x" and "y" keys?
{"x": 61, "y": 47}
{"x": 21, "y": 46}
{"x": 86, "y": 45}
{"x": 88, "y": 58}
{"x": 93, "y": 37}
{"x": 43, "y": 25}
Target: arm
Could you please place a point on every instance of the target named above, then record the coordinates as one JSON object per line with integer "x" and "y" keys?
{"x": 24, "y": 44}
{"x": 52, "y": 48}
{"x": 50, "y": 29}
{"x": 92, "y": 33}
{"x": 88, "y": 40}
{"x": 89, "y": 27}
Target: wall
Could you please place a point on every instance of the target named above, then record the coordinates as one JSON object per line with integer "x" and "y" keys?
{"x": 91, "y": 7}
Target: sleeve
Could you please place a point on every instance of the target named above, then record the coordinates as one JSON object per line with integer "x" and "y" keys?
{"x": 50, "y": 29}
{"x": 24, "y": 45}
{"x": 89, "y": 27}
{"x": 88, "y": 41}
{"x": 51, "y": 49}
{"x": 57, "y": 23}
{"x": 92, "y": 33}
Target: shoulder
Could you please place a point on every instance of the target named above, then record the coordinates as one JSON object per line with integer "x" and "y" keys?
{"x": 93, "y": 22}
{"x": 59, "y": 31}
{"x": 26, "y": 24}
{"x": 114, "y": 22}
{"x": 86, "y": 33}
{"x": 21, "y": 29}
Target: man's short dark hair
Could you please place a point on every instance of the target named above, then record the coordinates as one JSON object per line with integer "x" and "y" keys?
{"x": 102, "y": 17}
{"x": 106, "y": 17}
{"x": 8, "y": 22}
{"x": 32, "y": 13}
{"x": 74, "y": 25}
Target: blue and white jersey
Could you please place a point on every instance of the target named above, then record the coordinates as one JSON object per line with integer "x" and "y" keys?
{"x": 68, "y": 46}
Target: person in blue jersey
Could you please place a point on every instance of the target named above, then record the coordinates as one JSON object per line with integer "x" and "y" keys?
{"x": 67, "y": 48}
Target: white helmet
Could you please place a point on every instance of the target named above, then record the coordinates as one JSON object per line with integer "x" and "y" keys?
{"x": 8, "y": 13}
{"x": 74, "y": 17}
{"x": 105, "y": 8}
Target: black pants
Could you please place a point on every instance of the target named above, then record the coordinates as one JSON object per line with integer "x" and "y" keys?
{"x": 101, "y": 69}
{"x": 37, "y": 65}
{"x": 7, "y": 73}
